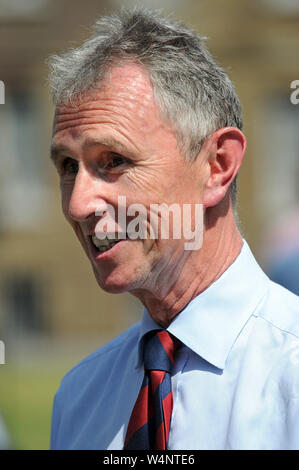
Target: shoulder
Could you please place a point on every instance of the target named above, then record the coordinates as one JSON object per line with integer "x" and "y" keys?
{"x": 90, "y": 385}
{"x": 281, "y": 310}
{"x": 103, "y": 360}
{"x": 276, "y": 339}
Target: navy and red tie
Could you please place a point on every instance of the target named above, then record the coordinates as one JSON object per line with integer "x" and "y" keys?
{"x": 149, "y": 424}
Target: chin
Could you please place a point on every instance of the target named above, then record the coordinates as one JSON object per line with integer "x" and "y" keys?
{"x": 112, "y": 288}
{"x": 114, "y": 284}
{"x": 124, "y": 277}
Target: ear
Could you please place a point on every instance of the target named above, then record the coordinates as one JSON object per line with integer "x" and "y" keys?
{"x": 224, "y": 154}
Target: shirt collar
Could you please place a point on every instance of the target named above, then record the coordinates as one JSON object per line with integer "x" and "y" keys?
{"x": 211, "y": 322}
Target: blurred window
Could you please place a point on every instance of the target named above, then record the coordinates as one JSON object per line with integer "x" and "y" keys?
{"x": 23, "y": 192}
{"x": 23, "y": 302}
{"x": 282, "y": 7}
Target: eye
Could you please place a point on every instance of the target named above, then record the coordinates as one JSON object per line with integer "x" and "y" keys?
{"x": 115, "y": 161}
{"x": 70, "y": 166}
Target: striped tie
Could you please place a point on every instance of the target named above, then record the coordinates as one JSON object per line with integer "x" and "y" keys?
{"x": 149, "y": 424}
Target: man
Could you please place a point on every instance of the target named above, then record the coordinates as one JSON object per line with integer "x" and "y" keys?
{"x": 145, "y": 113}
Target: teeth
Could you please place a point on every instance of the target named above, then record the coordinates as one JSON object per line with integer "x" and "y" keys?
{"x": 100, "y": 243}
{"x": 105, "y": 244}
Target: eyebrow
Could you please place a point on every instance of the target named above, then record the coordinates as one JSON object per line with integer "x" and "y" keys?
{"x": 106, "y": 142}
{"x": 57, "y": 149}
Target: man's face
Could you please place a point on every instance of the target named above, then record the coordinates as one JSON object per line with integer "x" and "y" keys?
{"x": 114, "y": 143}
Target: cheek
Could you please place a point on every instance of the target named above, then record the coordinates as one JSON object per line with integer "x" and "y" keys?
{"x": 149, "y": 183}
{"x": 66, "y": 194}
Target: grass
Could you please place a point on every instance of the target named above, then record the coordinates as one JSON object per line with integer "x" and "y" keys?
{"x": 26, "y": 398}
{"x": 28, "y": 382}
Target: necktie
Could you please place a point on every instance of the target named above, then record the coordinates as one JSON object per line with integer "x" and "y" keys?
{"x": 150, "y": 419}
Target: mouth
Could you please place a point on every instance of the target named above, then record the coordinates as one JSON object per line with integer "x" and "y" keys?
{"x": 101, "y": 246}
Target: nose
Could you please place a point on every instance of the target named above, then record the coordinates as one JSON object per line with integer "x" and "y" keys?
{"x": 83, "y": 198}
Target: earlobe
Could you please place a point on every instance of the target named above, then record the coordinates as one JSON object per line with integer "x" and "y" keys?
{"x": 226, "y": 152}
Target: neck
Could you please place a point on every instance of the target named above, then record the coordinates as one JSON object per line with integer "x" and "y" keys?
{"x": 222, "y": 242}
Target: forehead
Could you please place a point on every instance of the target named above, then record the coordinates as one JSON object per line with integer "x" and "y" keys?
{"x": 125, "y": 93}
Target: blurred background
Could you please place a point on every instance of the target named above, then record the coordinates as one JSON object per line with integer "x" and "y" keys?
{"x": 52, "y": 313}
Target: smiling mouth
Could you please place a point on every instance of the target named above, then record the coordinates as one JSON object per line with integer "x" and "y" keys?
{"x": 105, "y": 244}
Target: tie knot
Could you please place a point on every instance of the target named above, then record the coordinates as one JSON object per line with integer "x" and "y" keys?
{"x": 159, "y": 350}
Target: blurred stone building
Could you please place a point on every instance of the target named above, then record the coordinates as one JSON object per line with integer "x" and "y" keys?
{"x": 46, "y": 283}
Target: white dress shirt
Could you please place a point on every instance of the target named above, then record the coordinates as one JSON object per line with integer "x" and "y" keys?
{"x": 235, "y": 381}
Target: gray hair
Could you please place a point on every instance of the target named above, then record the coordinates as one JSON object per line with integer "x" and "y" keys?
{"x": 194, "y": 94}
